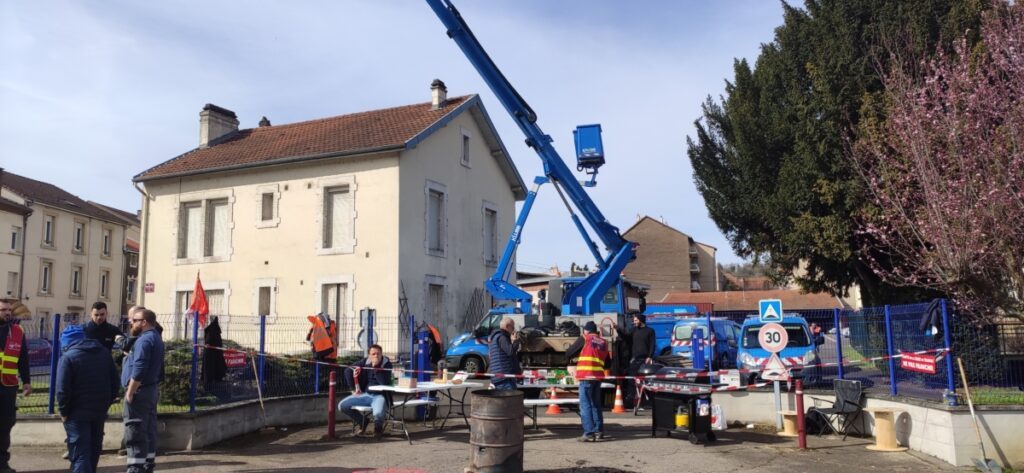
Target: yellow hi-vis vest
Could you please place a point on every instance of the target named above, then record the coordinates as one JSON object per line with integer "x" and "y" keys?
{"x": 12, "y": 350}
{"x": 590, "y": 365}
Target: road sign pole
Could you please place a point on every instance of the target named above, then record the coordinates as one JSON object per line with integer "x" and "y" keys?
{"x": 778, "y": 406}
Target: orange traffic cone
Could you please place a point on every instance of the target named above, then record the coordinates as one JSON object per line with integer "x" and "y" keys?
{"x": 619, "y": 407}
{"x": 553, "y": 409}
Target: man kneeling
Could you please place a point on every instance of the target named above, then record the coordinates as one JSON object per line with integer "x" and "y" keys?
{"x": 373, "y": 370}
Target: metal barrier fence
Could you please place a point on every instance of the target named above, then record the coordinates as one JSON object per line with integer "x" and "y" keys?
{"x": 870, "y": 345}
{"x": 261, "y": 355}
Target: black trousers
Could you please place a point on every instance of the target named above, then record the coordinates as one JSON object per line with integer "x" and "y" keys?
{"x": 8, "y": 415}
{"x": 629, "y": 387}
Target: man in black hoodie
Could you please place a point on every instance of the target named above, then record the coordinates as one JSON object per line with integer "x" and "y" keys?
{"x": 87, "y": 384}
{"x": 373, "y": 370}
{"x": 99, "y": 329}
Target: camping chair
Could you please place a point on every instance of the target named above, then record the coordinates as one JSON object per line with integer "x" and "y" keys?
{"x": 846, "y": 409}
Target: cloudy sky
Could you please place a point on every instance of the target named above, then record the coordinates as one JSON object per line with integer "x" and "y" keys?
{"x": 94, "y": 92}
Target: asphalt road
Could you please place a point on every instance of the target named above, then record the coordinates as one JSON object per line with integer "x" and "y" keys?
{"x": 551, "y": 449}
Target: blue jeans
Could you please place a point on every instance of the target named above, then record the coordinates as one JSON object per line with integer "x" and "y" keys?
{"x": 85, "y": 441}
{"x": 591, "y": 407}
{"x": 504, "y": 384}
{"x": 375, "y": 401}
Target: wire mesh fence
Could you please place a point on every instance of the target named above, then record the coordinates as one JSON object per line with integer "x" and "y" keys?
{"x": 908, "y": 350}
{"x": 268, "y": 356}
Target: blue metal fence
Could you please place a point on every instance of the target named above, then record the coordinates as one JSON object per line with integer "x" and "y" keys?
{"x": 870, "y": 345}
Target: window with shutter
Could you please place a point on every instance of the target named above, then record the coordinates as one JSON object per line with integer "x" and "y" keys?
{"x": 435, "y": 222}
{"x": 189, "y": 230}
{"x": 267, "y": 212}
{"x": 337, "y": 217}
{"x": 217, "y": 235}
{"x": 490, "y": 236}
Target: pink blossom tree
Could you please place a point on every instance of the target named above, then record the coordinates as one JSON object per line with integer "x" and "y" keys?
{"x": 944, "y": 169}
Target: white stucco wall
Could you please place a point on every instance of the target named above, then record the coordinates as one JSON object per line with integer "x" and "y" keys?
{"x": 462, "y": 269}
{"x": 284, "y": 254}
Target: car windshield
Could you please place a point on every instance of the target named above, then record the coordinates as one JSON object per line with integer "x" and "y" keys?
{"x": 796, "y": 333}
{"x": 684, "y": 332}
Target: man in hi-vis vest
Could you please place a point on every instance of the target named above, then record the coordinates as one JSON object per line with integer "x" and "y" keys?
{"x": 14, "y": 365}
{"x": 593, "y": 357}
{"x": 323, "y": 338}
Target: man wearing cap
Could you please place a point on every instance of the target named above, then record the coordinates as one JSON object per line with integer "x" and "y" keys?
{"x": 642, "y": 344}
{"x": 593, "y": 355}
{"x": 14, "y": 361}
{"x": 87, "y": 384}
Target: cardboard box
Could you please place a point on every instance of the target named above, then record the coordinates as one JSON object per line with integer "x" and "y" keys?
{"x": 406, "y": 382}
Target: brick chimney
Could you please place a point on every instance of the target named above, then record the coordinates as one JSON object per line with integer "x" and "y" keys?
{"x": 438, "y": 95}
{"x": 215, "y": 122}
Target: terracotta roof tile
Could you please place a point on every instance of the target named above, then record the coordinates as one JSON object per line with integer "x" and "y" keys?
{"x": 364, "y": 131}
{"x": 747, "y": 300}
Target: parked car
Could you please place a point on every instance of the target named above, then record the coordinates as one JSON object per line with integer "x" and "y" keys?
{"x": 800, "y": 352}
{"x": 723, "y": 341}
{"x": 39, "y": 352}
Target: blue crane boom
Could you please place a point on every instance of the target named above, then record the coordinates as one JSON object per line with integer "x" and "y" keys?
{"x": 584, "y": 298}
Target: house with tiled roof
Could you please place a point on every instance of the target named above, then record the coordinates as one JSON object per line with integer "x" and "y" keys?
{"x": 70, "y": 250}
{"x": 669, "y": 260}
{"x": 399, "y": 209}
{"x": 792, "y": 299}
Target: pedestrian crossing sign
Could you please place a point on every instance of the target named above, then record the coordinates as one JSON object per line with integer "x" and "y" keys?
{"x": 770, "y": 310}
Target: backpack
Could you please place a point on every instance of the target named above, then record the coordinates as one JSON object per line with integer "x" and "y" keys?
{"x": 815, "y": 423}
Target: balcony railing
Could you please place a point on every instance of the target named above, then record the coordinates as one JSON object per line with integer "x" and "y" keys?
{"x": 694, "y": 268}
{"x": 694, "y": 286}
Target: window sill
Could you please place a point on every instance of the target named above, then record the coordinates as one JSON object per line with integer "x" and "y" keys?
{"x": 201, "y": 260}
{"x": 273, "y": 223}
{"x": 106, "y": 256}
{"x": 47, "y": 247}
{"x": 340, "y": 250}
{"x": 43, "y": 294}
{"x": 77, "y": 251}
{"x": 437, "y": 253}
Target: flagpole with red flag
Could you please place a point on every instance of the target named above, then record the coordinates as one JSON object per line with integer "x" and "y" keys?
{"x": 199, "y": 303}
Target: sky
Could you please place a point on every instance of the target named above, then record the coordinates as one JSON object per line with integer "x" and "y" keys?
{"x": 94, "y": 92}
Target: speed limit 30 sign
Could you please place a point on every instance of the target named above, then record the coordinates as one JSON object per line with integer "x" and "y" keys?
{"x": 773, "y": 337}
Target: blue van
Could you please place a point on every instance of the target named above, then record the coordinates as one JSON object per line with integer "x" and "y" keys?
{"x": 723, "y": 341}
{"x": 800, "y": 352}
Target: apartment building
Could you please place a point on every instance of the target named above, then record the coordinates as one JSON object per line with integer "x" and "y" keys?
{"x": 71, "y": 251}
{"x": 669, "y": 260}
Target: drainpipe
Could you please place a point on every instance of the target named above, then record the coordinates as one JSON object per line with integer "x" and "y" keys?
{"x": 24, "y": 233}
{"x": 140, "y": 280}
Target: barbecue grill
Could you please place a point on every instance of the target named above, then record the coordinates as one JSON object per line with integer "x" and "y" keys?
{"x": 671, "y": 388}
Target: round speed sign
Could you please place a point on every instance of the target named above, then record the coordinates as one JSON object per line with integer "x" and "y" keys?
{"x": 773, "y": 337}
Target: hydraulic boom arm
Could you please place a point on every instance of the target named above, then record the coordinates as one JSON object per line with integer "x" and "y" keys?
{"x": 586, "y": 297}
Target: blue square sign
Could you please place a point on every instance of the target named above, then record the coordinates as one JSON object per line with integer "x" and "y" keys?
{"x": 770, "y": 310}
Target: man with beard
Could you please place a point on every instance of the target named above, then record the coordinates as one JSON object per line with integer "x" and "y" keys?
{"x": 14, "y": 366}
{"x": 140, "y": 375}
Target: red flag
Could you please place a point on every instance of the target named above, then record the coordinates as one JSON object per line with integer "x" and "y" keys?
{"x": 199, "y": 305}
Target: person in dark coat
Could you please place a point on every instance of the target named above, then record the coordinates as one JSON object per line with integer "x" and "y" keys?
{"x": 503, "y": 353}
{"x": 87, "y": 384}
{"x": 214, "y": 366}
{"x": 99, "y": 329}
{"x": 642, "y": 343}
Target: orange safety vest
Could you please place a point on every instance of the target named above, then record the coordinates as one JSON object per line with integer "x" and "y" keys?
{"x": 590, "y": 365}
{"x": 323, "y": 338}
{"x": 12, "y": 351}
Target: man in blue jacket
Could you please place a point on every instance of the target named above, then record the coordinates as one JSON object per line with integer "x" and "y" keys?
{"x": 503, "y": 353}
{"x": 373, "y": 370}
{"x": 86, "y": 386}
{"x": 140, "y": 375}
